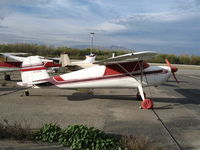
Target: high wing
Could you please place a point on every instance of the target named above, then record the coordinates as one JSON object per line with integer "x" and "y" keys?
{"x": 14, "y": 56}
{"x": 57, "y": 60}
{"x": 130, "y": 57}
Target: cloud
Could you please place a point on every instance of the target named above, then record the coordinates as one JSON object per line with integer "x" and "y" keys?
{"x": 189, "y": 5}
{"x": 110, "y": 27}
{"x": 39, "y": 30}
{"x": 133, "y": 24}
{"x": 7, "y": 6}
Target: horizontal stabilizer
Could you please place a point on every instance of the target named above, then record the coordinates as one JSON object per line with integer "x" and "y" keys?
{"x": 32, "y": 71}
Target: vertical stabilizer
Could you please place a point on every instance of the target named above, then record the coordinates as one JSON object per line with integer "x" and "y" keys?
{"x": 89, "y": 58}
{"x": 64, "y": 60}
{"x": 32, "y": 71}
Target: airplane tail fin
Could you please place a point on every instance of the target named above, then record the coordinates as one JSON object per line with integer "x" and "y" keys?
{"x": 64, "y": 60}
{"x": 89, "y": 58}
{"x": 33, "y": 71}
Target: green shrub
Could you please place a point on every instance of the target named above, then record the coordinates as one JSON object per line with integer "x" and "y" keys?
{"x": 48, "y": 133}
{"x": 82, "y": 137}
{"x": 77, "y": 137}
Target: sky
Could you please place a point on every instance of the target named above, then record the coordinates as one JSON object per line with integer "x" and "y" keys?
{"x": 171, "y": 26}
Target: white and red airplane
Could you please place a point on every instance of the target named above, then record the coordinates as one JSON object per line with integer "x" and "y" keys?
{"x": 13, "y": 62}
{"x": 125, "y": 71}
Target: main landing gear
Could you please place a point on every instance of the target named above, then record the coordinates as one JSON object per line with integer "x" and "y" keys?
{"x": 146, "y": 103}
{"x": 139, "y": 96}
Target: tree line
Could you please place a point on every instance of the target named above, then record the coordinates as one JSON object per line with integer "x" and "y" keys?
{"x": 74, "y": 53}
{"x": 182, "y": 59}
{"x": 51, "y": 51}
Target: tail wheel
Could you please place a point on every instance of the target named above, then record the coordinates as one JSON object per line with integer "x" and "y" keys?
{"x": 139, "y": 96}
{"x": 147, "y": 104}
{"x": 7, "y": 77}
{"x": 26, "y": 92}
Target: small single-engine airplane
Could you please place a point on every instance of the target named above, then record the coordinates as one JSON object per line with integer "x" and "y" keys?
{"x": 125, "y": 71}
{"x": 13, "y": 62}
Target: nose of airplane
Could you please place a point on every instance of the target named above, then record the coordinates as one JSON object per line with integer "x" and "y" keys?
{"x": 174, "y": 69}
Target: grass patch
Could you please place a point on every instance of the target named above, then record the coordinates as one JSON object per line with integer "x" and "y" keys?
{"x": 77, "y": 137}
{"x": 138, "y": 143}
{"x": 14, "y": 131}
{"x": 87, "y": 91}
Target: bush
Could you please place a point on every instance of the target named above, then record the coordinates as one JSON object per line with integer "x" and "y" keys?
{"x": 79, "y": 137}
{"x": 82, "y": 137}
{"x": 48, "y": 133}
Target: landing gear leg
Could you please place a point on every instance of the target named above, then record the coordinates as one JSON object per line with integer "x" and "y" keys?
{"x": 139, "y": 96}
{"x": 146, "y": 103}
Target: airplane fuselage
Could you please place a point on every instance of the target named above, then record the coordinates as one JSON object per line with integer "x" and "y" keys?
{"x": 101, "y": 76}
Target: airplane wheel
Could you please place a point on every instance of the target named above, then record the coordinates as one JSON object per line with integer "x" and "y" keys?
{"x": 139, "y": 96}
{"x": 147, "y": 104}
{"x": 26, "y": 93}
{"x": 7, "y": 77}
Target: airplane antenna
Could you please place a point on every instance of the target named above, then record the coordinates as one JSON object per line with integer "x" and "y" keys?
{"x": 92, "y": 36}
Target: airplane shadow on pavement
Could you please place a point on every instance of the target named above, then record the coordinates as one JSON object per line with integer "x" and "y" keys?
{"x": 191, "y": 96}
{"x": 85, "y": 96}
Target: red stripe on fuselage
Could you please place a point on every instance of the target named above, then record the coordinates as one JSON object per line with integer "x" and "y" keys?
{"x": 51, "y": 64}
{"x": 10, "y": 64}
{"x": 33, "y": 69}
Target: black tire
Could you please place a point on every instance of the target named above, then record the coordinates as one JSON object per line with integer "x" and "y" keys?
{"x": 7, "y": 77}
{"x": 26, "y": 93}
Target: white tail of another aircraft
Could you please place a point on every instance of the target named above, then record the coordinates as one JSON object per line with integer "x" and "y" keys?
{"x": 64, "y": 60}
{"x": 89, "y": 58}
{"x": 32, "y": 71}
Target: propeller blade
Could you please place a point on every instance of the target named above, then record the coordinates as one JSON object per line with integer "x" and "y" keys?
{"x": 175, "y": 77}
{"x": 168, "y": 63}
{"x": 173, "y": 69}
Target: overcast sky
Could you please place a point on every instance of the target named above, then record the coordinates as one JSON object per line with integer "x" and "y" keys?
{"x": 171, "y": 26}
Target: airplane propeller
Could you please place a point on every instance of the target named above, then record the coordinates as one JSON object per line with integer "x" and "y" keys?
{"x": 173, "y": 69}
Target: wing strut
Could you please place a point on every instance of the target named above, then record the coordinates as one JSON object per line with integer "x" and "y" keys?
{"x": 146, "y": 103}
{"x": 140, "y": 88}
{"x": 130, "y": 73}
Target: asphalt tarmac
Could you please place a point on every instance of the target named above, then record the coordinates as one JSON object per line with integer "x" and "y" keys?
{"x": 174, "y": 122}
